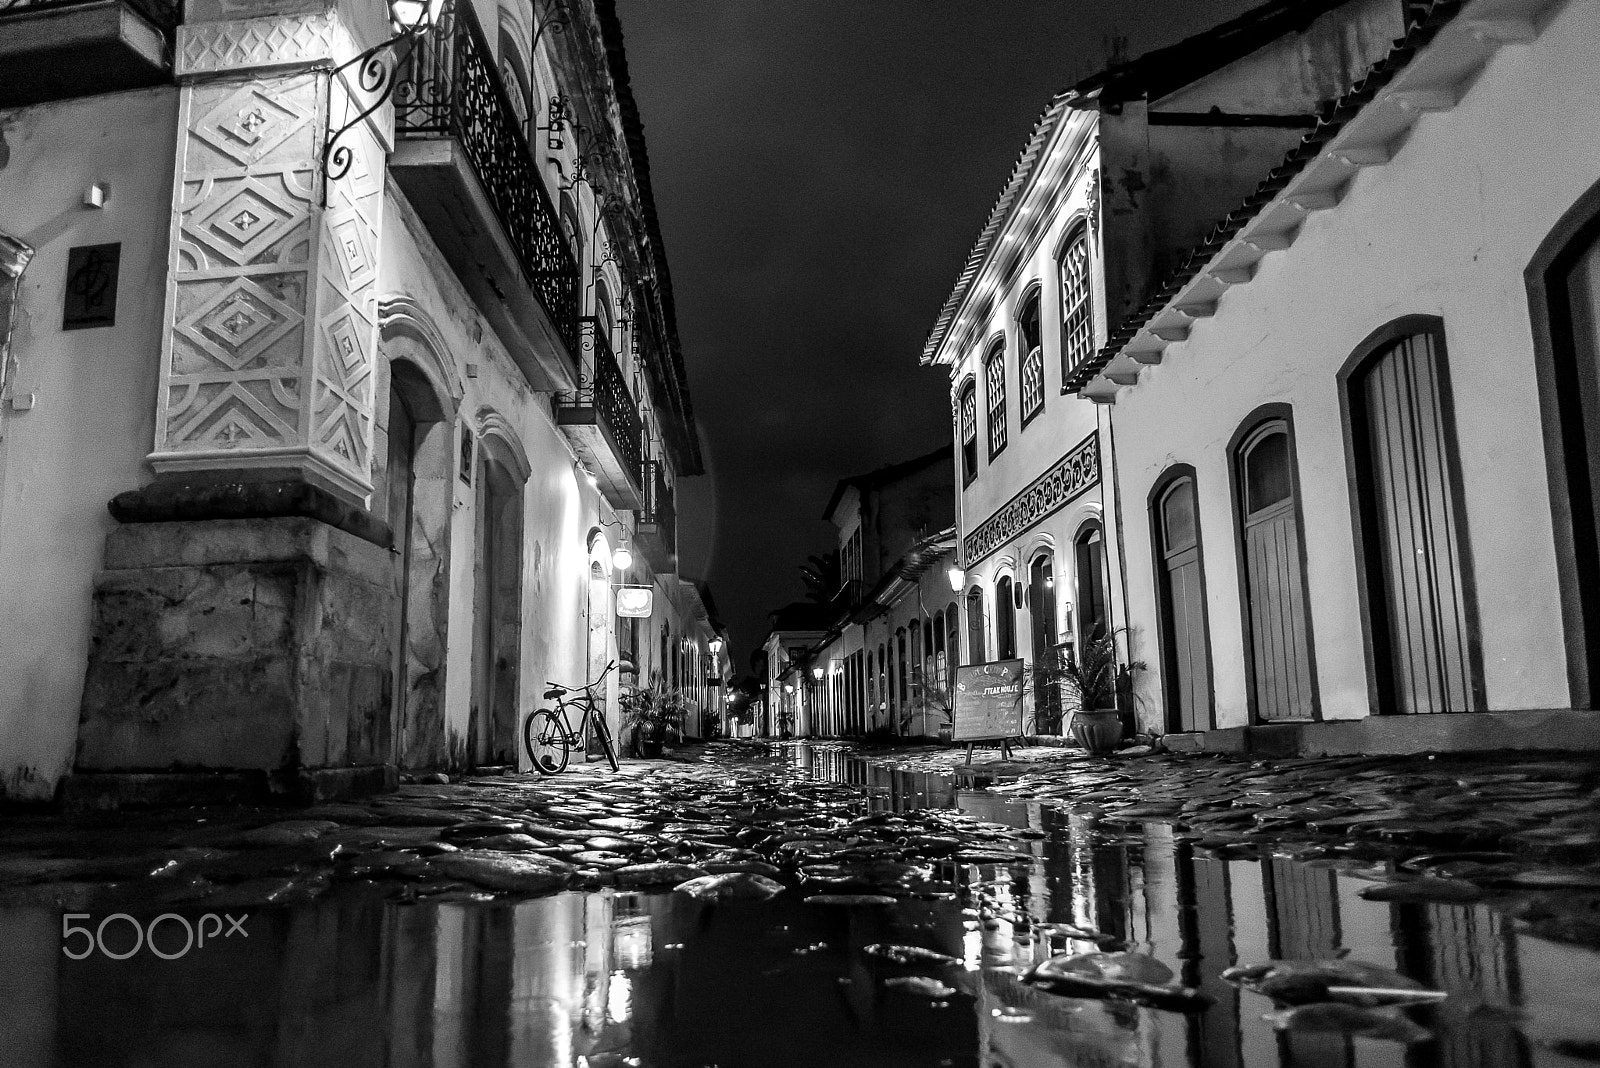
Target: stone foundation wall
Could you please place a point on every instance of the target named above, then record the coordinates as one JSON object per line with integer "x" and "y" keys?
{"x": 239, "y": 644}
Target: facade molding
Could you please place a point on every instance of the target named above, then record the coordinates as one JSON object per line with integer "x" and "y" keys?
{"x": 400, "y": 316}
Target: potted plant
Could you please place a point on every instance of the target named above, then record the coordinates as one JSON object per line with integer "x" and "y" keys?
{"x": 1089, "y": 681}
{"x": 650, "y": 712}
{"x": 1092, "y": 680}
{"x": 928, "y": 693}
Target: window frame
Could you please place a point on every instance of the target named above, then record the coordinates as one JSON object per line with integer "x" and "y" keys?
{"x": 1030, "y": 356}
{"x": 994, "y": 389}
{"x": 1077, "y": 313}
{"x": 968, "y": 442}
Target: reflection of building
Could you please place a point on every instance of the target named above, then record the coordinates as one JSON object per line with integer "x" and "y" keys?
{"x": 376, "y": 405}
{"x": 1354, "y": 444}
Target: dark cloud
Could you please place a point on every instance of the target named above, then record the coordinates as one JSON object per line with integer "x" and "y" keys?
{"x": 821, "y": 170}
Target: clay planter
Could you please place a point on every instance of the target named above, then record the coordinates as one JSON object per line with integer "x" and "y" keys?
{"x": 1097, "y": 730}
{"x": 651, "y": 736}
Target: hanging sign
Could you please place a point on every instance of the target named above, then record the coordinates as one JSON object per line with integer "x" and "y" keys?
{"x": 635, "y": 602}
{"x": 988, "y": 704}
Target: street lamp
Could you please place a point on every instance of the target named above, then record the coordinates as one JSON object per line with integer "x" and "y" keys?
{"x": 816, "y": 672}
{"x": 411, "y": 20}
{"x": 957, "y": 577}
{"x": 716, "y": 645}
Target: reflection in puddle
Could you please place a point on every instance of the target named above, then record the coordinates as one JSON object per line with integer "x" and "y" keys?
{"x": 614, "y": 978}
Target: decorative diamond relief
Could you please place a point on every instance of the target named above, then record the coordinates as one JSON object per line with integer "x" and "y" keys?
{"x": 248, "y": 223}
{"x": 277, "y": 39}
{"x": 250, "y": 122}
{"x": 239, "y": 323}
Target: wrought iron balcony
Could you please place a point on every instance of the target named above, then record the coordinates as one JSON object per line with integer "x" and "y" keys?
{"x": 657, "y": 533}
{"x": 601, "y": 419}
{"x": 463, "y": 159}
{"x": 58, "y": 49}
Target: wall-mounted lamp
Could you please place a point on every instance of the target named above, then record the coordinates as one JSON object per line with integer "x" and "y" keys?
{"x": 957, "y": 577}
{"x": 788, "y": 687}
{"x": 622, "y": 557}
{"x": 411, "y": 20}
{"x": 816, "y": 672}
{"x": 716, "y": 646}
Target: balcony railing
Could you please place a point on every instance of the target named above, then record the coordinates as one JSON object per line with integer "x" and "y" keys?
{"x": 602, "y": 389}
{"x": 658, "y": 522}
{"x": 164, "y": 15}
{"x": 449, "y": 86}
{"x": 64, "y": 49}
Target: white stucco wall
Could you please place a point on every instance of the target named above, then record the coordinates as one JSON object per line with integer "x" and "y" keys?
{"x": 92, "y": 421}
{"x": 1445, "y": 229}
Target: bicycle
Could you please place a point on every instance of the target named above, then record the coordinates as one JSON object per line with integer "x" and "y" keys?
{"x": 548, "y": 735}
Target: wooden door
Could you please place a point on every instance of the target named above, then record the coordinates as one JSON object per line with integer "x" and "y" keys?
{"x": 1279, "y": 626}
{"x": 1042, "y": 621}
{"x": 400, "y": 491}
{"x": 1183, "y": 624}
{"x": 1423, "y": 626}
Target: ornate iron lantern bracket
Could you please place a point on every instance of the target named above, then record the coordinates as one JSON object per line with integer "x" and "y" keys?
{"x": 376, "y": 76}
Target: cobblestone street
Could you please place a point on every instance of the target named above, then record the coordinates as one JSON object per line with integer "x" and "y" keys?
{"x": 828, "y": 909}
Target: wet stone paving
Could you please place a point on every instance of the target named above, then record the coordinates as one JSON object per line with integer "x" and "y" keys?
{"x": 746, "y": 905}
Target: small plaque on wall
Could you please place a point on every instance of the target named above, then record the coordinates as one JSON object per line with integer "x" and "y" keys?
{"x": 91, "y": 298}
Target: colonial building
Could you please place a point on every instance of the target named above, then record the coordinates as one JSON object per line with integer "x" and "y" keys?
{"x": 370, "y": 350}
{"x": 1122, "y": 172}
{"x": 1357, "y": 426}
{"x": 785, "y": 654}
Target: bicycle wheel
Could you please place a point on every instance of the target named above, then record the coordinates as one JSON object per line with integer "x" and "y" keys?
{"x": 602, "y": 733}
{"x": 544, "y": 736}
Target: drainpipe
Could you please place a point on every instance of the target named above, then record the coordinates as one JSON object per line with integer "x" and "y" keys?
{"x": 1122, "y": 557}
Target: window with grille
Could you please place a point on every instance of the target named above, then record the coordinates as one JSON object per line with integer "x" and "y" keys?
{"x": 1032, "y": 366}
{"x": 1077, "y": 310}
{"x": 968, "y": 414}
{"x": 994, "y": 376}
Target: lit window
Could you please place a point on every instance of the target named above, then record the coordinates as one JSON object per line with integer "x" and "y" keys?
{"x": 994, "y": 378}
{"x": 969, "y": 433}
{"x": 1077, "y": 318}
{"x": 1032, "y": 369}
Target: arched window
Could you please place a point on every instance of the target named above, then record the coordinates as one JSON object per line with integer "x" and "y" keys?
{"x": 1005, "y": 620}
{"x": 903, "y": 690}
{"x": 1089, "y": 564}
{"x": 883, "y": 679}
{"x": 977, "y": 641}
{"x": 952, "y": 626}
{"x": 1181, "y": 601}
{"x": 994, "y": 384}
{"x": 967, "y": 416}
{"x": 515, "y": 79}
{"x": 1077, "y": 304}
{"x": 1564, "y": 303}
{"x": 1282, "y": 677}
{"x": 1422, "y": 626}
{"x": 1031, "y": 359}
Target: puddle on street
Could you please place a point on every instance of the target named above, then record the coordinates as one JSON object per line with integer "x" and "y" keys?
{"x": 659, "y": 979}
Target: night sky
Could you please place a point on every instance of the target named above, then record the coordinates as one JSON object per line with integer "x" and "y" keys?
{"x": 821, "y": 170}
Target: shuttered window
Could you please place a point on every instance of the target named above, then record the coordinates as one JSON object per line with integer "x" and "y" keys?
{"x": 1031, "y": 371}
{"x": 1077, "y": 309}
{"x": 994, "y": 379}
{"x": 968, "y": 415}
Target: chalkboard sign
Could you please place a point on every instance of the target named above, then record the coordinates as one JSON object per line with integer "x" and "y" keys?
{"x": 988, "y": 703}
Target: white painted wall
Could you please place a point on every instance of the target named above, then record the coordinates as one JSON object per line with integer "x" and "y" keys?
{"x": 1446, "y": 229}
{"x": 93, "y": 418}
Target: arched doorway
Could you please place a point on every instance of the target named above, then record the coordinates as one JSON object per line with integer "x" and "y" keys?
{"x": 413, "y": 491}
{"x": 497, "y": 600}
{"x": 1042, "y": 627}
{"x": 1005, "y": 620}
{"x": 1563, "y": 282}
{"x": 1181, "y": 593}
{"x": 1278, "y": 642}
{"x": 1089, "y": 567}
{"x": 1422, "y": 627}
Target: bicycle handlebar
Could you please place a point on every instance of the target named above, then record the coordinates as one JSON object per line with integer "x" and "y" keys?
{"x": 589, "y": 685}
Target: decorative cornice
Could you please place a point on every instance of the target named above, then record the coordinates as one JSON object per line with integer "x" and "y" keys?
{"x": 1067, "y": 479}
{"x": 275, "y": 41}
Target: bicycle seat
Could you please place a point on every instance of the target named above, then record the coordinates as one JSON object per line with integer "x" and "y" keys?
{"x": 554, "y": 692}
